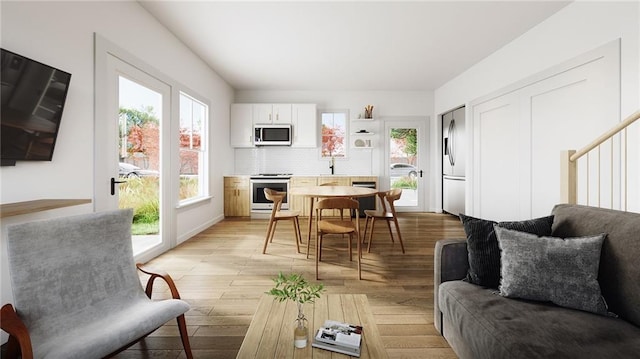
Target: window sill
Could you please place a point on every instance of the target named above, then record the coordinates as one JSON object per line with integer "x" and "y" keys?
{"x": 193, "y": 201}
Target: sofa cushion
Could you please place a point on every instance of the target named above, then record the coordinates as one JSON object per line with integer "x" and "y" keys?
{"x": 482, "y": 245}
{"x": 619, "y": 269}
{"x": 562, "y": 271}
{"x": 496, "y": 327}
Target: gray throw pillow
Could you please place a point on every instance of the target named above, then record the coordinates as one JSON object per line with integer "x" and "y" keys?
{"x": 561, "y": 271}
{"x": 483, "y": 249}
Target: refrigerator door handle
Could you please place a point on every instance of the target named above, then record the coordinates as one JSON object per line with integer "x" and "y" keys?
{"x": 452, "y": 138}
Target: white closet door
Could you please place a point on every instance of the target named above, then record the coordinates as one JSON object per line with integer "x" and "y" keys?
{"x": 568, "y": 111}
{"x": 518, "y": 134}
{"x": 496, "y": 178}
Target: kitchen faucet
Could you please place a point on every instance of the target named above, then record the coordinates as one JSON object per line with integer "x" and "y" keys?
{"x": 332, "y": 164}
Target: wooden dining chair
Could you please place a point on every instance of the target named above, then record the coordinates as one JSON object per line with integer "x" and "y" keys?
{"x": 333, "y": 225}
{"x": 277, "y": 215}
{"x": 387, "y": 212}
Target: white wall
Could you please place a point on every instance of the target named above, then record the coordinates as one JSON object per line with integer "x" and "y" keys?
{"x": 574, "y": 30}
{"x": 388, "y": 105}
{"x": 61, "y": 34}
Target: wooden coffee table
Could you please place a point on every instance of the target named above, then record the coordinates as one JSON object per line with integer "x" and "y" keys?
{"x": 270, "y": 333}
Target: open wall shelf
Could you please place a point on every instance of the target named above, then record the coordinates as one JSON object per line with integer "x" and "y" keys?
{"x": 18, "y": 208}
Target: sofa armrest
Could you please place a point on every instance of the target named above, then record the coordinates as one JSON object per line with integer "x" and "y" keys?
{"x": 450, "y": 262}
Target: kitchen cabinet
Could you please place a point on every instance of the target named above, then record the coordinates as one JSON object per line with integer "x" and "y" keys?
{"x": 300, "y": 203}
{"x": 302, "y": 117}
{"x": 237, "y": 197}
{"x": 237, "y": 192}
{"x": 305, "y": 125}
{"x": 241, "y": 126}
{"x": 271, "y": 113}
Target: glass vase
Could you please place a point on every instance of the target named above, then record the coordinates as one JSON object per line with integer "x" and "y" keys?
{"x": 300, "y": 332}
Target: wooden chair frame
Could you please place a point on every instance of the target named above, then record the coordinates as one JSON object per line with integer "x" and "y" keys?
{"x": 278, "y": 215}
{"x": 338, "y": 226}
{"x": 387, "y": 213}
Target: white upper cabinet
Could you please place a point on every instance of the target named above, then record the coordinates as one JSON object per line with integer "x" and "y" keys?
{"x": 271, "y": 113}
{"x": 241, "y": 126}
{"x": 305, "y": 125}
{"x": 302, "y": 117}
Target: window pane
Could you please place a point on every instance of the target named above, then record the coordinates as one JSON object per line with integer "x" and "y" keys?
{"x": 193, "y": 117}
{"x": 334, "y": 131}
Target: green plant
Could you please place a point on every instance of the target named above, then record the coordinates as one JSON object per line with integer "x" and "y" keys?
{"x": 294, "y": 287}
{"x": 405, "y": 182}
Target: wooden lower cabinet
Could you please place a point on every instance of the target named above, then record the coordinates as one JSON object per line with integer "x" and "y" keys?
{"x": 237, "y": 196}
{"x": 237, "y": 192}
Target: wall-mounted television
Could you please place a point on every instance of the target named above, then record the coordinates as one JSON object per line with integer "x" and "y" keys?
{"x": 33, "y": 97}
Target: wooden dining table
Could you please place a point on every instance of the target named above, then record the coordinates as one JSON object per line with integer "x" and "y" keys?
{"x": 313, "y": 192}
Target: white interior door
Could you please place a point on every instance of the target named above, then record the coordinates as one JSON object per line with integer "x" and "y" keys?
{"x": 131, "y": 134}
{"x": 519, "y": 133}
{"x": 406, "y": 162}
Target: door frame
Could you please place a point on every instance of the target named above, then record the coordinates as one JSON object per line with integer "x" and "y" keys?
{"x": 102, "y": 174}
{"x": 422, "y": 124}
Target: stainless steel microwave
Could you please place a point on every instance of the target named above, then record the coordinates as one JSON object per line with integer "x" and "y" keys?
{"x": 272, "y": 135}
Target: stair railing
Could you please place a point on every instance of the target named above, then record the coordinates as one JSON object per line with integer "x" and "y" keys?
{"x": 569, "y": 164}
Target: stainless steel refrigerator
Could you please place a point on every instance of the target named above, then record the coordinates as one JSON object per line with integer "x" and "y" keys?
{"x": 453, "y": 161}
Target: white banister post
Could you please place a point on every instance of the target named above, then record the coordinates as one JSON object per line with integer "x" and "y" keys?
{"x": 568, "y": 185}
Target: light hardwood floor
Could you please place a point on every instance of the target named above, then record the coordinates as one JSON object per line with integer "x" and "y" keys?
{"x": 222, "y": 273}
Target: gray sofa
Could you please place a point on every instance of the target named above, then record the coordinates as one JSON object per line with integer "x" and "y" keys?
{"x": 480, "y": 323}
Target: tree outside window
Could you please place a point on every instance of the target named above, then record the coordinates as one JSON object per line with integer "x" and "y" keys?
{"x": 334, "y": 134}
{"x": 193, "y": 156}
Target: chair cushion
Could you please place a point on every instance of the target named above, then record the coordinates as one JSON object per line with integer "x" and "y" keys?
{"x": 106, "y": 327}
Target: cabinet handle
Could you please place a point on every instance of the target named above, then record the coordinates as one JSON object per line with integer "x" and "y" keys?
{"x": 277, "y": 117}
{"x": 269, "y": 117}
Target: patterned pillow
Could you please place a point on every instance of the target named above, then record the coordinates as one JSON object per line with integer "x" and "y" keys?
{"x": 561, "y": 271}
{"x": 482, "y": 245}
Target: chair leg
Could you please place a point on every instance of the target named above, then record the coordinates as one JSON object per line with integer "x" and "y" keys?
{"x": 299, "y": 233}
{"x": 389, "y": 227}
{"x": 182, "y": 327}
{"x": 273, "y": 231}
{"x": 296, "y": 232}
{"x": 366, "y": 225}
{"x": 373, "y": 222}
{"x": 319, "y": 247}
{"x": 350, "y": 248}
{"x": 266, "y": 240}
{"x": 395, "y": 220}
{"x": 359, "y": 256}
{"x": 318, "y": 239}
{"x": 308, "y": 245}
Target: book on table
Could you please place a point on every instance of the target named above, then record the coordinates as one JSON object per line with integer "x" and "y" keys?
{"x": 339, "y": 337}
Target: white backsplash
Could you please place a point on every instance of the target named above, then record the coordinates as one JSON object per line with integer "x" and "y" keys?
{"x": 302, "y": 162}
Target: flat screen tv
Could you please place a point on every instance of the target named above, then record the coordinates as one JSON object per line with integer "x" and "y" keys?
{"x": 33, "y": 96}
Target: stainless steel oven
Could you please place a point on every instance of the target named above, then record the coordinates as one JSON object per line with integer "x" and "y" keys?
{"x": 278, "y": 182}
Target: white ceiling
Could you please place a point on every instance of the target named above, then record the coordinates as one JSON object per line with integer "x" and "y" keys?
{"x": 336, "y": 45}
